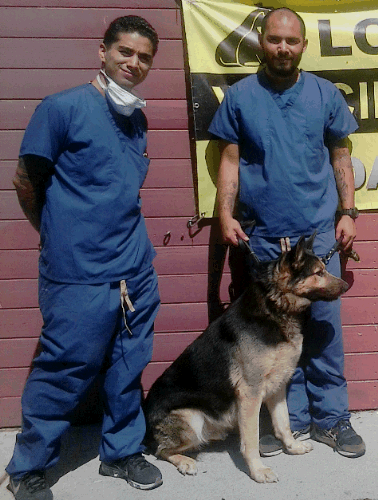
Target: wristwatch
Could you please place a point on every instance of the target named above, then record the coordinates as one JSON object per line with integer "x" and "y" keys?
{"x": 352, "y": 212}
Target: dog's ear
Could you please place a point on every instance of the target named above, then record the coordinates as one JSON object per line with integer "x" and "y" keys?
{"x": 293, "y": 257}
{"x": 300, "y": 247}
{"x": 300, "y": 250}
{"x": 283, "y": 260}
{"x": 310, "y": 241}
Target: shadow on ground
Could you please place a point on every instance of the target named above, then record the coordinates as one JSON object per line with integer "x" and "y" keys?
{"x": 79, "y": 446}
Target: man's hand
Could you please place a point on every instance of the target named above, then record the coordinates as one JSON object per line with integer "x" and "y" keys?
{"x": 346, "y": 228}
{"x": 231, "y": 230}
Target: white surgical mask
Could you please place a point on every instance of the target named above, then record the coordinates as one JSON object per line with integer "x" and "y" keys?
{"x": 122, "y": 101}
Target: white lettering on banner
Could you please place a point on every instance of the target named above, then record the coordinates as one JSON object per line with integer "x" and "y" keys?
{"x": 373, "y": 179}
{"x": 366, "y": 94}
{"x": 364, "y": 105}
{"x": 360, "y": 174}
{"x": 347, "y": 89}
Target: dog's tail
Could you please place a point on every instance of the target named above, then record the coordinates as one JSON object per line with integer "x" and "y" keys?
{"x": 159, "y": 403}
{"x": 155, "y": 408}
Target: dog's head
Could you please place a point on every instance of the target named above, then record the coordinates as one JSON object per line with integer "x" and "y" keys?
{"x": 303, "y": 274}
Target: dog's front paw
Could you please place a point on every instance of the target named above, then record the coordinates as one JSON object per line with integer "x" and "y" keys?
{"x": 187, "y": 466}
{"x": 299, "y": 448}
{"x": 264, "y": 475}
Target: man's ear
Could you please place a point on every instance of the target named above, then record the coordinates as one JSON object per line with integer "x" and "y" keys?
{"x": 102, "y": 52}
{"x": 305, "y": 45}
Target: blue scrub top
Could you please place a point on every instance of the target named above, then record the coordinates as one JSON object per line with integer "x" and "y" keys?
{"x": 287, "y": 183}
{"x": 92, "y": 229}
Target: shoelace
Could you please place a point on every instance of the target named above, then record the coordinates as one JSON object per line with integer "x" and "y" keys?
{"x": 34, "y": 482}
{"x": 302, "y": 432}
{"x": 342, "y": 426}
{"x": 137, "y": 461}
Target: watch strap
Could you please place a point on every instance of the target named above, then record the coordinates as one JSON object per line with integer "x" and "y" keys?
{"x": 352, "y": 212}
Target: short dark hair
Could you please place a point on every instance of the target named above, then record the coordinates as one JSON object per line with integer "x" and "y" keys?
{"x": 131, "y": 24}
{"x": 283, "y": 9}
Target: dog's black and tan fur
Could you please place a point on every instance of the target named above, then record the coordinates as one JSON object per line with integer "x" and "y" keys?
{"x": 244, "y": 358}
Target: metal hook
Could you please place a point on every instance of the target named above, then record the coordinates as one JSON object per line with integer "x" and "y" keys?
{"x": 166, "y": 238}
{"x": 195, "y": 220}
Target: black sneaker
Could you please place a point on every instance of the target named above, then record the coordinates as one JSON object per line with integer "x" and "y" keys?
{"x": 303, "y": 434}
{"x": 269, "y": 445}
{"x": 135, "y": 470}
{"x": 343, "y": 438}
{"x": 32, "y": 486}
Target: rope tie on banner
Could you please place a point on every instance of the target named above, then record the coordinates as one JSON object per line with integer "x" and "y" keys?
{"x": 125, "y": 300}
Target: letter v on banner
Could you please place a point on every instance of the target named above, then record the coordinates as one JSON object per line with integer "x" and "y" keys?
{"x": 222, "y": 44}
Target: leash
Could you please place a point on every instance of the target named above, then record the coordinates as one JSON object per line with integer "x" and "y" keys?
{"x": 333, "y": 250}
{"x": 285, "y": 247}
{"x": 243, "y": 245}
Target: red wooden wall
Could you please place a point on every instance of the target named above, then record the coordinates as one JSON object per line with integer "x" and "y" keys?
{"x": 50, "y": 45}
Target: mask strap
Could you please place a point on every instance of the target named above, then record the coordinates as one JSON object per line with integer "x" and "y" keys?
{"x": 100, "y": 82}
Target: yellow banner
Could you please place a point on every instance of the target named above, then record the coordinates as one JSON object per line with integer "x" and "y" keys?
{"x": 222, "y": 44}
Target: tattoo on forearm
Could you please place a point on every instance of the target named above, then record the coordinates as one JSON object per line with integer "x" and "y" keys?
{"x": 230, "y": 194}
{"x": 343, "y": 171}
{"x": 342, "y": 186}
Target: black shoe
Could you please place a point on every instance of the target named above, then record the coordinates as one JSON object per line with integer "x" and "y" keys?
{"x": 343, "y": 438}
{"x": 135, "y": 470}
{"x": 303, "y": 434}
{"x": 269, "y": 445}
{"x": 32, "y": 486}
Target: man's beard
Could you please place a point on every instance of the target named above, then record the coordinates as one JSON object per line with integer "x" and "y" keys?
{"x": 283, "y": 72}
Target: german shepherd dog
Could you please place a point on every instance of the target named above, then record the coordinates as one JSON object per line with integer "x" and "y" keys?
{"x": 244, "y": 358}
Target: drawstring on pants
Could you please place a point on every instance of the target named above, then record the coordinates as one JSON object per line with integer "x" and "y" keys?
{"x": 125, "y": 300}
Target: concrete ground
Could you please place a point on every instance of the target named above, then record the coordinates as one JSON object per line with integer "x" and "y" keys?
{"x": 321, "y": 474}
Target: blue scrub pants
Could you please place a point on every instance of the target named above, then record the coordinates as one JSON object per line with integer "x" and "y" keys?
{"x": 83, "y": 328}
{"x": 318, "y": 390}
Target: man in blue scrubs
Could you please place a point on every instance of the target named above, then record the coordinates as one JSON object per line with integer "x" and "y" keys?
{"x": 285, "y": 164}
{"x": 82, "y": 163}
